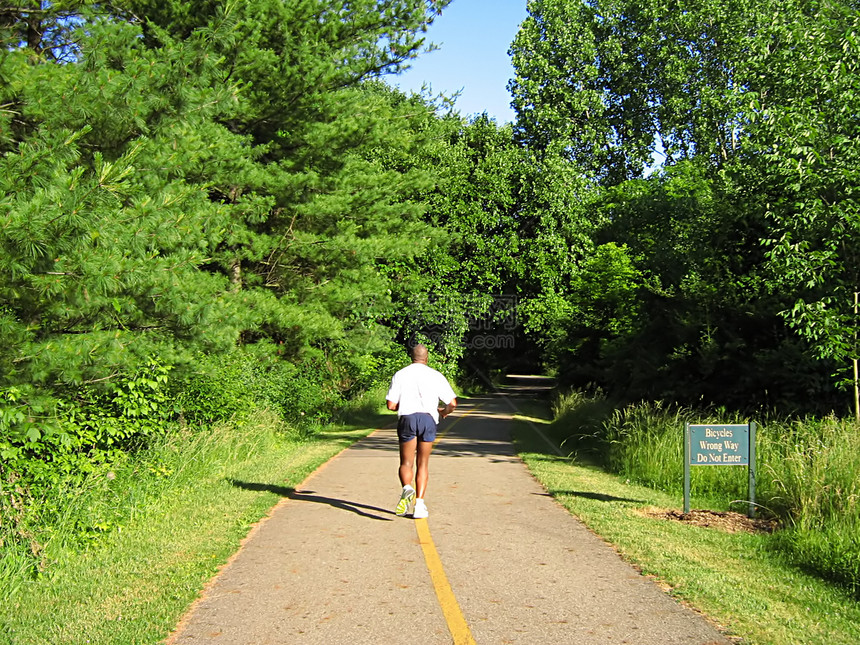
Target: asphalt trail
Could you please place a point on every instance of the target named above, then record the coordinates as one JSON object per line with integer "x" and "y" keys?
{"x": 332, "y": 564}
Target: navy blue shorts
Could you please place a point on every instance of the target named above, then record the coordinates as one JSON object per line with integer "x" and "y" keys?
{"x": 420, "y": 424}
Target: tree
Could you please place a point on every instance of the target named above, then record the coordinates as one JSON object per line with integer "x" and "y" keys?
{"x": 616, "y": 82}
{"x": 46, "y": 29}
{"x": 173, "y": 206}
{"x": 321, "y": 127}
{"x": 101, "y": 248}
{"x": 515, "y": 230}
{"x": 806, "y": 130}
{"x": 713, "y": 88}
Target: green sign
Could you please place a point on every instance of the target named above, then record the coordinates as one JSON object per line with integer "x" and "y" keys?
{"x": 720, "y": 445}
{"x": 714, "y": 445}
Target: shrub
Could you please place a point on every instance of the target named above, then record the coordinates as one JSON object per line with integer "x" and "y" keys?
{"x": 216, "y": 389}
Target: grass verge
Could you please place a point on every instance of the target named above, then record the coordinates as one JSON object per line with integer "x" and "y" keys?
{"x": 182, "y": 520}
{"x": 736, "y": 579}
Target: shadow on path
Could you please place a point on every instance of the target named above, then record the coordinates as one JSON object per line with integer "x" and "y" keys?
{"x": 600, "y": 497}
{"x": 308, "y": 496}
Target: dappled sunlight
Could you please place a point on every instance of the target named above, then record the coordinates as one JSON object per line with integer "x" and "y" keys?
{"x": 522, "y": 417}
{"x": 345, "y": 433}
{"x": 478, "y": 413}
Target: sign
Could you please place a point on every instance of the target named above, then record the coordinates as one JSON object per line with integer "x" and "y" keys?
{"x": 720, "y": 445}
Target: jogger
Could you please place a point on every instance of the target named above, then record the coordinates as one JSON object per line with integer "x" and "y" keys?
{"x": 414, "y": 394}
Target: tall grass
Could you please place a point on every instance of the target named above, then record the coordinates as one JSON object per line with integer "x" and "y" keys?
{"x": 579, "y": 421}
{"x": 811, "y": 473}
{"x": 808, "y": 471}
{"x": 106, "y": 501}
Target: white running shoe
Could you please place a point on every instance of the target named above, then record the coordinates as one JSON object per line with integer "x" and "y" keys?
{"x": 420, "y": 511}
{"x": 405, "y": 500}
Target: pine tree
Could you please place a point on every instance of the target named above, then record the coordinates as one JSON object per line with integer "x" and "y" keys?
{"x": 105, "y": 226}
{"x": 165, "y": 192}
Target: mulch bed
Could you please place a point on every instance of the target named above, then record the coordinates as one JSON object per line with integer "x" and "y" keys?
{"x": 728, "y": 521}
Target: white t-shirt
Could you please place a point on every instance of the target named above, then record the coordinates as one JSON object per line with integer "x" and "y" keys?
{"x": 419, "y": 388}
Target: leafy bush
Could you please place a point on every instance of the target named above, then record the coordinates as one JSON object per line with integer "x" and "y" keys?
{"x": 52, "y": 449}
{"x": 216, "y": 389}
{"x": 42, "y": 439}
{"x": 230, "y": 386}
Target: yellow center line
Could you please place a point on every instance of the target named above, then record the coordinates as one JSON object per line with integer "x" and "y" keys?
{"x": 450, "y": 608}
{"x": 457, "y": 624}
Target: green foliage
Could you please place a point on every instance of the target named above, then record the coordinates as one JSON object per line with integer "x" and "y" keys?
{"x": 740, "y": 240}
{"x": 476, "y": 201}
{"x": 101, "y": 246}
{"x": 644, "y": 442}
{"x": 52, "y": 455}
{"x": 831, "y": 552}
{"x": 578, "y": 418}
{"x": 84, "y": 434}
{"x": 73, "y": 452}
{"x": 303, "y": 394}
{"x": 200, "y": 191}
{"x": 215, "y": 390}
{"x": 213, "y": 209}
{"x": 618, "y": 82}
{"x": 802, "y": 451}
{"x": 168, "y": 194}
{"x": 805, "y": 129}
{"x": 813, "y": 480}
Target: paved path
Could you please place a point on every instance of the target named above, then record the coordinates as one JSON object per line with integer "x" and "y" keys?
{"x": 498, "y": 560}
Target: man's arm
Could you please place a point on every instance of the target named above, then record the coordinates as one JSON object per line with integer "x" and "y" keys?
{"x": 392, "y": 399}
{"x": 448, "y": 409}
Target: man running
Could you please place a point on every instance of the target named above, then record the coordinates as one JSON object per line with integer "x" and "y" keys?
{"x": 414, "y": 394}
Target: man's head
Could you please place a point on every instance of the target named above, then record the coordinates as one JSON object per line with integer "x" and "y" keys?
{"x": 419, "y": 354}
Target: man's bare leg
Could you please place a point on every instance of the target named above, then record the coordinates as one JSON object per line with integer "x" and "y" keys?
{"x": 407, "y": 461}
{"x": 423, "y": 471}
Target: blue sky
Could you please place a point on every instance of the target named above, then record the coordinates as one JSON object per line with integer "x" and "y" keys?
{"x": 473, "y": 38}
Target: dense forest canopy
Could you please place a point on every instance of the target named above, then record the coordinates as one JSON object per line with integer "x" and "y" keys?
{"x": 728, "y": 274}
{"x": 185, "y": 184}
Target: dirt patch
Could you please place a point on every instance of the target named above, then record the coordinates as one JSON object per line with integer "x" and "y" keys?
{"x": 727, "y": 521}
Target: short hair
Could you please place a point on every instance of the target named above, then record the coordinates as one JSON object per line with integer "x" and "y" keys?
{"x": 419, "y": 352}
